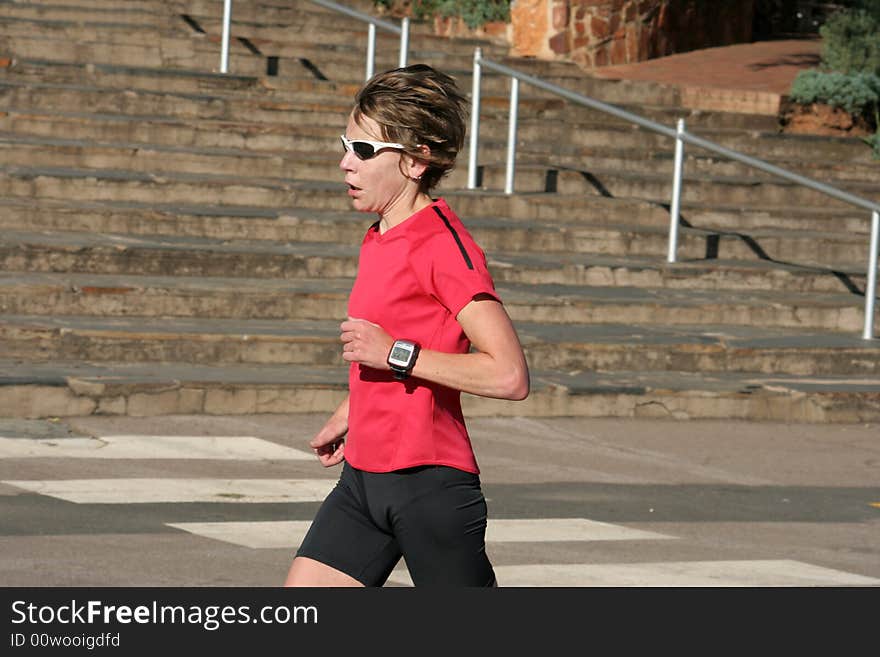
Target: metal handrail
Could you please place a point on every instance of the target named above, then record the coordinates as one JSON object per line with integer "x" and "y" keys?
{"x": 374, "y": 22}
{"x": 681, "y": 137}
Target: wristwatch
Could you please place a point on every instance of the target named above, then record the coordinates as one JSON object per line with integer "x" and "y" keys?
{"x": 402, "y": 358}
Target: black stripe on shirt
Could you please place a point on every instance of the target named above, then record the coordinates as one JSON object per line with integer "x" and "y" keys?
{"x": 464, "y": 253}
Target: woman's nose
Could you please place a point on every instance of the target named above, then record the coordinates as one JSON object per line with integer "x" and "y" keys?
{"x": 346, "y": 163}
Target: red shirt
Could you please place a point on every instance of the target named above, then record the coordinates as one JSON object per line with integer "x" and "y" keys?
{"x": 412, "y": 281}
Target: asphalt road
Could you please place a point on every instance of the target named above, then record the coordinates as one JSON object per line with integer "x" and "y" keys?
{"x": 119, "y": 501}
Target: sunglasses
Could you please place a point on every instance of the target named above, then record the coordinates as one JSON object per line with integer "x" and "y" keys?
{"x": 366, "y": 149}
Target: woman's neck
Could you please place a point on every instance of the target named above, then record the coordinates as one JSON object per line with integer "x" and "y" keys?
{"x": 403, "y": 211}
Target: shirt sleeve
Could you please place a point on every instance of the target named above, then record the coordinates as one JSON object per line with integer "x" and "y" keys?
{"x": 452, "y": 269}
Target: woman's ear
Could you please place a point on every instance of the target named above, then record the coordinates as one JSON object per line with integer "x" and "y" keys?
{"x": 416, "y": 166}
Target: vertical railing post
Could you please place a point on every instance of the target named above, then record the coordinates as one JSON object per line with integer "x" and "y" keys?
{"x": 511, "y": 136}
{"x": 675, "y": 206}
{"x": 371, "y": 49}
{"x": 224, "y": 45}
{"x": 475, "y": 122}
{"x": 404, "y": 42}
{"x": 871, "y": 287}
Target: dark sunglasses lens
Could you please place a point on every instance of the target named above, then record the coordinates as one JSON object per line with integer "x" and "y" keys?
{"x": 363, "y": 150}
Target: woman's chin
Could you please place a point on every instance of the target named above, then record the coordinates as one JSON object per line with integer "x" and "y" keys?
{"x": 360, "y": 205}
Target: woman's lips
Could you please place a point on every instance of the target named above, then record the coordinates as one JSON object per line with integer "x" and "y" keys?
{"x": 353, "y": 191}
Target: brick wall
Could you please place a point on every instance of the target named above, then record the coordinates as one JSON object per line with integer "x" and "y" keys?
{"x": 602, "y": 32}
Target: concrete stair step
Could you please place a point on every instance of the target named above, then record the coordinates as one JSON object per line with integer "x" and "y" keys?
{"x": 649, "y": 272}
{"x": 300, "y": 147}
{"x": 300, "y": 75}
{"x": 306, "y": 100}
{"x": 579, "y": 209}
{"x": 115, "y": 76}
{"x": 578, "y": 269}
{"x": 163, "y": 47}
{"x": 314, "y": 161}
{"x": 556, "y": 347}
{"x": 24, "y": 35}
{"x": 134, "y": 13}
{"x": 749, "y": 191}
{"x": 193, "y": 189}
{"x": 127, "y": 253}
{"x": 155, "y": 135}
{"x": 837, "y": 254}
{"x": 213, "y": 190}
{"x": 344, "y": 63}
{"x": 578, "y": 131}
{"x": 159, "y": 159}
{"x": 598, "y": 144}
{"x": 309, "y": 20}
{"x": 143, "y": 5}
{"x": 158, "y": 131}
{"x": 609, "y": 155}
{"x": 291, "y": 22}
{"x": 175, "y": 41}
{"x": 140, "y": 339}
{"x": 102, "y": 295}
{"x": 323, "y": 213}
{"x": 287, "y": 13}
{"x": 208, "y": 105}
{"x": 526, "y": 267}
{"x": 134, "y": 44}
{"x": 59, "y": 389}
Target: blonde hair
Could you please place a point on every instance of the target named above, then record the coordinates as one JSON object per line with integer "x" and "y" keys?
{"x": 414, "y": 106}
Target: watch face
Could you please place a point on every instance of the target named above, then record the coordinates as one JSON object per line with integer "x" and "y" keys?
{"x": 400, "y": 354}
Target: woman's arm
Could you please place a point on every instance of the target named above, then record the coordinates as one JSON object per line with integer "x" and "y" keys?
{"x": 496, "y": 369}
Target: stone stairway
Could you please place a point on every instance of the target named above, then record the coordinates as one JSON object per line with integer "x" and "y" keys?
{"x": 178, "y": 241}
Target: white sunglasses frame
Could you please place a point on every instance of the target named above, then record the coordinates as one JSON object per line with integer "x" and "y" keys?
{"x": 347, "y": 144}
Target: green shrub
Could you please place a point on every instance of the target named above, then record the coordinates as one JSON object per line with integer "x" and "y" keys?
{"x": 851, "y": 41}
{"x": 874, "y": 142}
{"x": 870, "y": 6}
{"x": 473, "y": 12}
{"x": 858, "y": 94}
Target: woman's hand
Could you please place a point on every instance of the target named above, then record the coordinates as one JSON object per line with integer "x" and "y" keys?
{"x": 329, "y": 442}
{"x": 365, "y": 343}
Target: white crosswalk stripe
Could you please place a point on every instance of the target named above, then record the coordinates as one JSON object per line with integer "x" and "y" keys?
{"x": 152, "y": 447}
{"x": 145, "y": 491}
{"x": 287, "y": 535}
{"x": 280, "y": 534}
{"x": 753, "y": 573}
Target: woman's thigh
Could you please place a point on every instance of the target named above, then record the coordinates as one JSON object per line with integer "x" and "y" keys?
{"x": 442, "y": 531}
{"x": 308, "y": 572}
{"x": 344, "y": 538}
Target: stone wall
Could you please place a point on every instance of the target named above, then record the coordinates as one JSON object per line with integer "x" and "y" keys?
{"x": 602, "y": 32}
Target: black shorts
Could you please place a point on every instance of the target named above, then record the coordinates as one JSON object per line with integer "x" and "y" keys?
{"x": 432, "y": 516}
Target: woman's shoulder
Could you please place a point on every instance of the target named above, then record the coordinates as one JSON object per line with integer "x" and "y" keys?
{"x": 440, "y": 222}
{"x": 443, "y": 238}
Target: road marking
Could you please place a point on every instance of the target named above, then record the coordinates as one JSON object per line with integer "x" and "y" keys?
{"x": 675, "y": 573}
{"x": 140, "y": 491}
{"x": 259, "y": 535}
{"x": 241, "y": 448}
{"x": 285, "y": 534}
{"x": 562, "y": 529}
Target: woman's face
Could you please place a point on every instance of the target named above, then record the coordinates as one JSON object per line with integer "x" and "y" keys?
{"x": 377, "y": 184}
